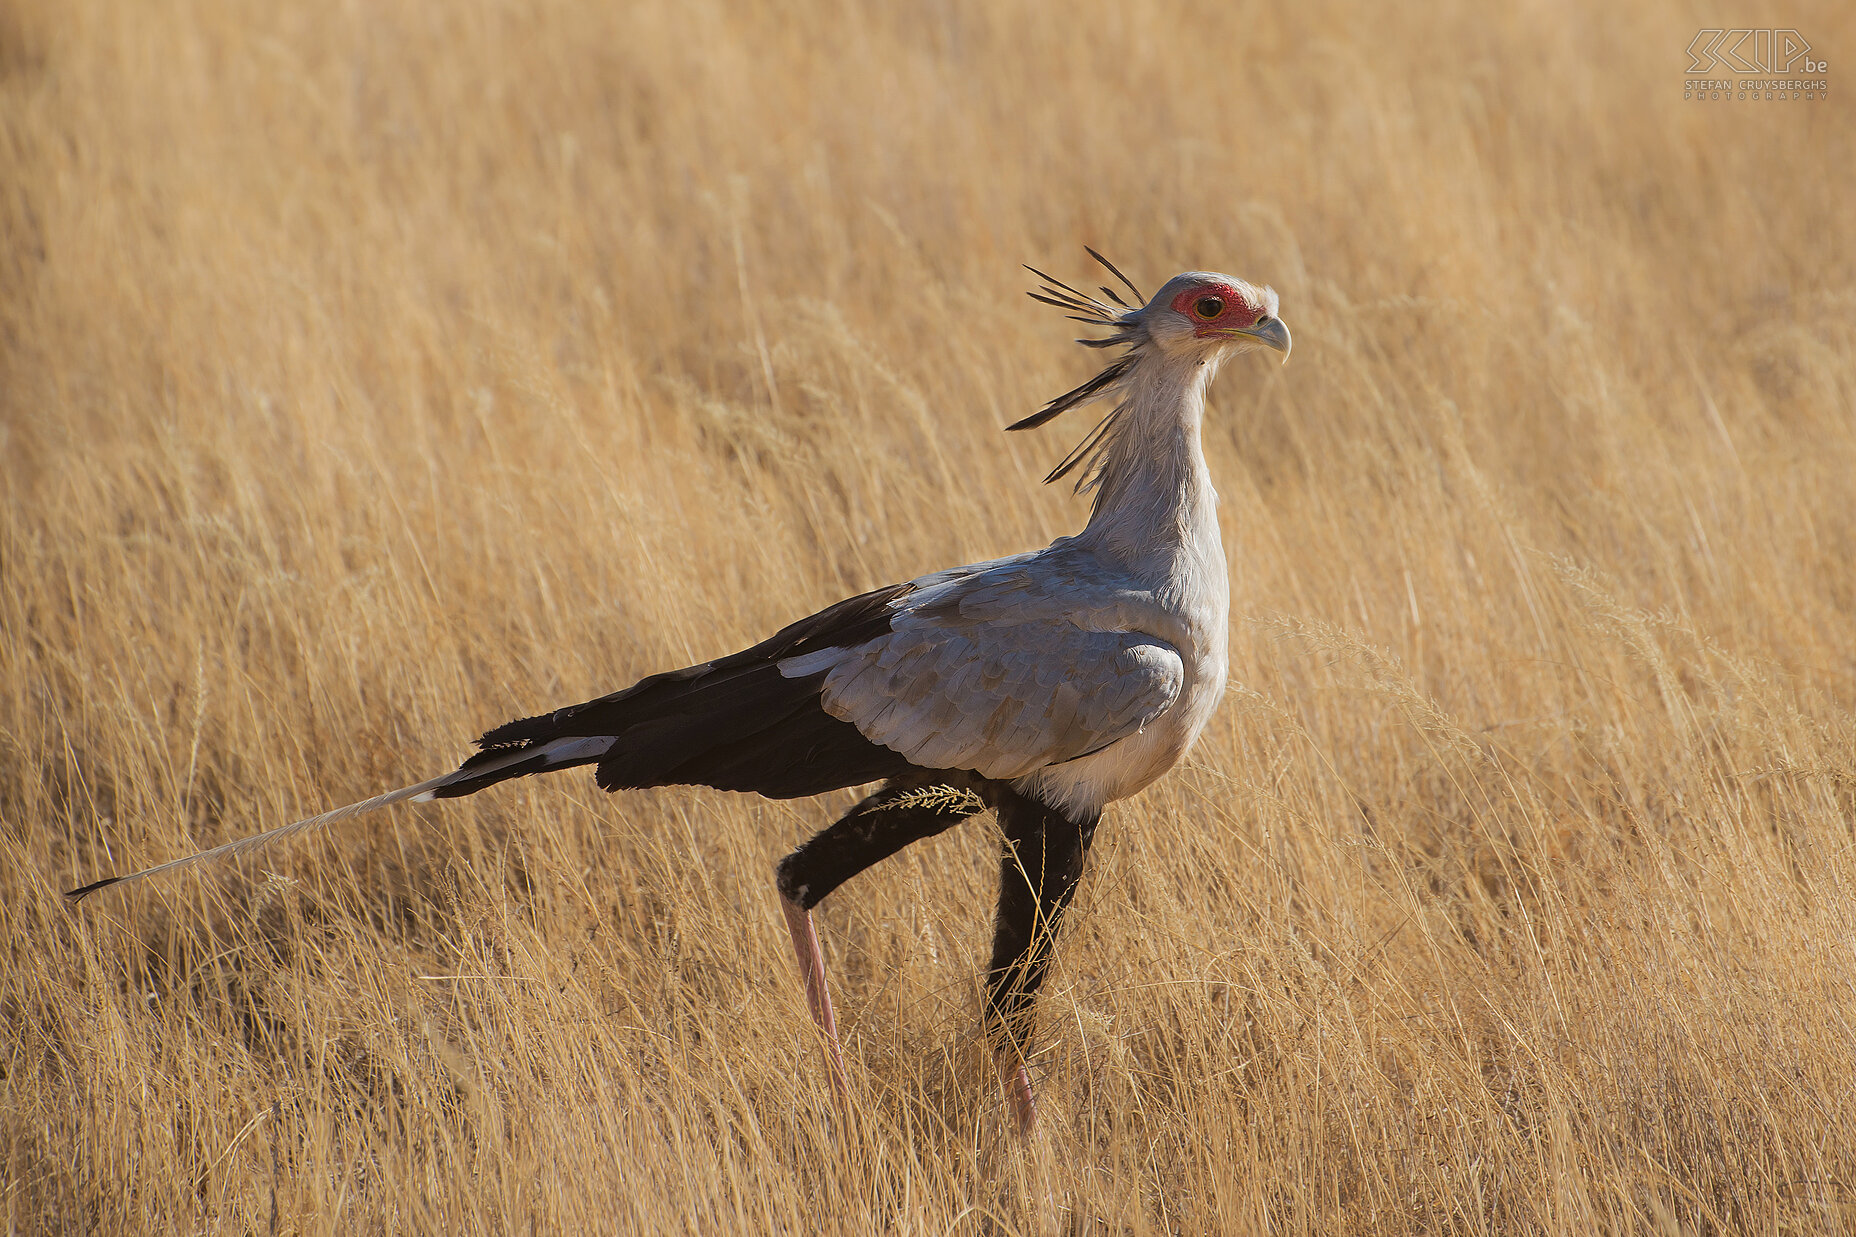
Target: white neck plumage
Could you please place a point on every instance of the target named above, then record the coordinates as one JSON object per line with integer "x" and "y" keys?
{"x": 1152, "y": 487}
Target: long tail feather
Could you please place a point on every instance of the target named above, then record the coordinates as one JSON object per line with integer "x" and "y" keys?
{"x": 259, "y": 840}
{"x": 420, "y": 792}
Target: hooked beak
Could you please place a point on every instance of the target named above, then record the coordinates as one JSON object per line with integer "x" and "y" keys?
{"x": 1271, "y": 333}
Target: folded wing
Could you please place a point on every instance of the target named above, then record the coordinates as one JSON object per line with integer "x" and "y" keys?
{"x": 1002, "y": 699}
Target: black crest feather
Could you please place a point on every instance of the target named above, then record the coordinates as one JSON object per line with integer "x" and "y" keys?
{"x": 1125, "y": 321}
{"x": 1139, "y": 296}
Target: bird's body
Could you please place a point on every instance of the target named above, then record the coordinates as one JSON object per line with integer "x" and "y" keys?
{"x": 1078, "y": 674}
{"x": 1045, "y": 685}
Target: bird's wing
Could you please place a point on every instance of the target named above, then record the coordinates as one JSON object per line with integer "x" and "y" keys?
{"x": 982, "y": 671}
{"x": 1059, "y": 584}
{"x": 1003, "y": 701}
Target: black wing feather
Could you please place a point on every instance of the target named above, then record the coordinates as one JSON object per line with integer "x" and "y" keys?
{"x": 735, "y": 723}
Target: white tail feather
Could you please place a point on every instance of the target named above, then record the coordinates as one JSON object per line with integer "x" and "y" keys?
{"x": 258, "y": 840}
{"x": 558, "y": 751}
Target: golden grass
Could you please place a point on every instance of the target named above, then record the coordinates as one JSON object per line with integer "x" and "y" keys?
{"x": 371, "y": 373}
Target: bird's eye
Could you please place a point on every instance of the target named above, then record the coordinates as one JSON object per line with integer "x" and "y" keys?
{"x": 1208, "y": 307}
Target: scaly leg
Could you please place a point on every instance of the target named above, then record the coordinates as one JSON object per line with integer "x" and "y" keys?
{"x": 818, "y": 1000}
{"x": 878, "y": 827}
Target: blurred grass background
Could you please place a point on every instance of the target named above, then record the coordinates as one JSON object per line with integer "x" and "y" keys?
{"x": 373, "y": 372}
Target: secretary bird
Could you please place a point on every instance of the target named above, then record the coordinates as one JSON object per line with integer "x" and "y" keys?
{"x": 1044, "y": 686}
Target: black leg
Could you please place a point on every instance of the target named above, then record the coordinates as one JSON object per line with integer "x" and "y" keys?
{"x": 871, "y": 832}
{"x": 1042, "y": 863}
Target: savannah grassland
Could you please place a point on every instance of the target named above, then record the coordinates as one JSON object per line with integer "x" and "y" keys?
{"x": 371, "y": 373}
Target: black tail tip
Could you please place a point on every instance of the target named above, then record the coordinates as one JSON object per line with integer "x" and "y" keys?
{"x": 74, "y": 896}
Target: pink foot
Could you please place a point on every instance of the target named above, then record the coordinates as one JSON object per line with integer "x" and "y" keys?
{"x": 1018, "y": 1091}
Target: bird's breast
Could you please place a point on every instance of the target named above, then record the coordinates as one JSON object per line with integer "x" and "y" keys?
{"x": 1190, "y": 609}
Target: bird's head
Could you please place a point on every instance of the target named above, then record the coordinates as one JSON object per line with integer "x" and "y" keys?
{"x": 1206, "y": 316}
{"x": 1198, "y": 318}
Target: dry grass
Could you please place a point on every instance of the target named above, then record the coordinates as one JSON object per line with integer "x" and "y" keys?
{"x": 370, "y": 373}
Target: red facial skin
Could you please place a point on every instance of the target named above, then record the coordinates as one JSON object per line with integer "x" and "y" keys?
{"x": 1238, "y": 312}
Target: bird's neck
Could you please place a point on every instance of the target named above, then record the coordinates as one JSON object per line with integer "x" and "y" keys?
{"x": 1155, "y": 494}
